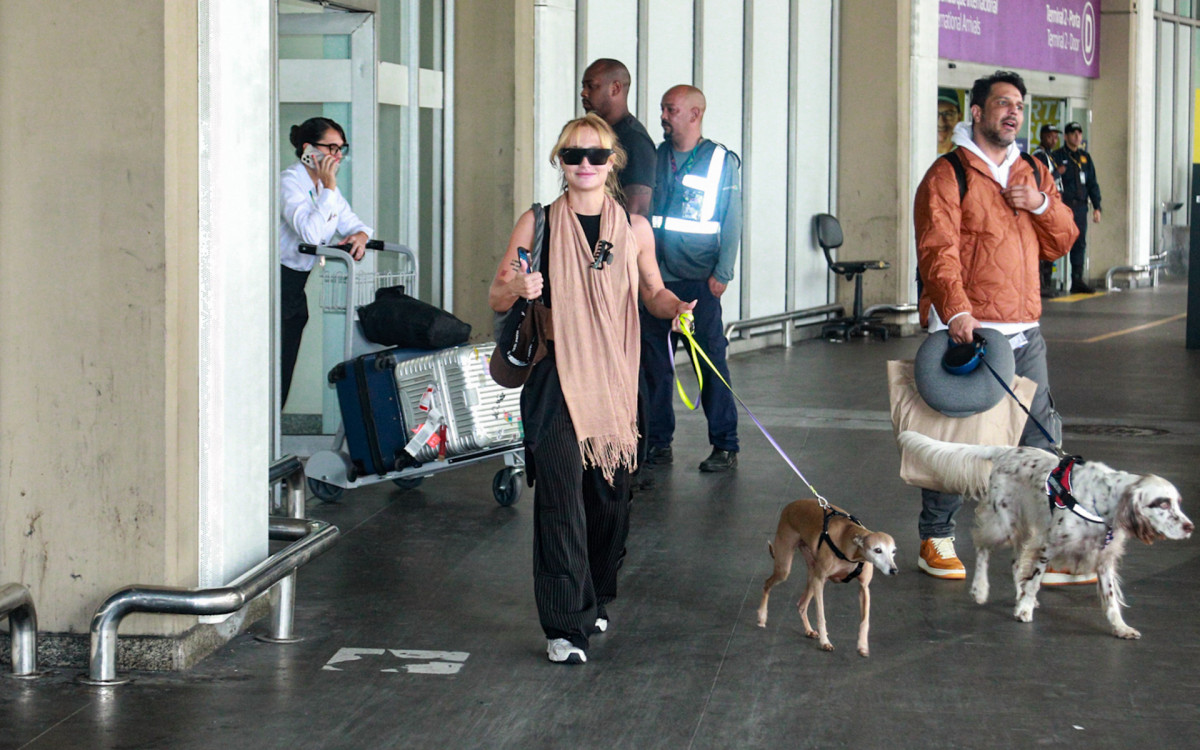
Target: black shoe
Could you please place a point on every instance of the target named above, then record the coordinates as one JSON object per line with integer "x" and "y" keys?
{"x": 642, "y": 479}
{"x": 1078, "y": 287}
{"x": 659, "y": 455}
{"x": 719, "y": 460}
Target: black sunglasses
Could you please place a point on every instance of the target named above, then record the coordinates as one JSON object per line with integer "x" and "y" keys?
{"x": 575, "y": 156}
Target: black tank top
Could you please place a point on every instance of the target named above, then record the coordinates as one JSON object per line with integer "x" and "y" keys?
{"x": 591, "y": 232}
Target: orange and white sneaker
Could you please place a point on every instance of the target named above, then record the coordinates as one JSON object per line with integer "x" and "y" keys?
{"x": 1055, "y": 577}
{"x": 938, "y": 559}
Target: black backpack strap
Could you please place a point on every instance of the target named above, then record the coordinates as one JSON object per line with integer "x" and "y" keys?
{"x": 539, "y": 234}
{"x": 1033, "y": 163}
{"x": 960, "y": 176}
{"x": 960, "y": 172}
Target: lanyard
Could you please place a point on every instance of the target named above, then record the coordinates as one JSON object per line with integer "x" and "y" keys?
{"x": 691, "y": 158}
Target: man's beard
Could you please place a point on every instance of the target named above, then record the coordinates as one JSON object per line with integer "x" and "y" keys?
{"x": 994, "y": 138}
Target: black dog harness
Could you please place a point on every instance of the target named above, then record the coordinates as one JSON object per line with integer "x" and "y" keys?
{"x": 826, "y": 539}
{"x": 1058, "y": 488}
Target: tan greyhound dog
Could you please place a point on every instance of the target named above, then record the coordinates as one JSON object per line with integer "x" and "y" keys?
{"x": 837, "y": 547}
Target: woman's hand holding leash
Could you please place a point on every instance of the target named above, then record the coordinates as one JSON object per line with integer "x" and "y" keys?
{"x": 684, "y": 317}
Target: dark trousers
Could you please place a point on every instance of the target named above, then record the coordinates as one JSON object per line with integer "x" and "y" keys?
{"x": 1079, "y": 249}
{"x": 938, "y": 508}
{"x": 293, "y": 316}
{"x": 658, "y": 351}
{"x": 580, "y": 524}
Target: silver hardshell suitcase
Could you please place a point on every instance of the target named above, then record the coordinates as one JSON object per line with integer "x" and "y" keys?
{"x": 478, "y": 414}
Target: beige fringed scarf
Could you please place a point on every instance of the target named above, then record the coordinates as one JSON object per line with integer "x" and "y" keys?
{"x": 597, "y": 336}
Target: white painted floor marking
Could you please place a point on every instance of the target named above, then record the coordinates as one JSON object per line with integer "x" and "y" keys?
{"x": 350, "y": 654}
{"x": 433, "y": 662}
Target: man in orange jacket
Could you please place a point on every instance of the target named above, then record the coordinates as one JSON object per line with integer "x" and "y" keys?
{"x": 979, "y": 243}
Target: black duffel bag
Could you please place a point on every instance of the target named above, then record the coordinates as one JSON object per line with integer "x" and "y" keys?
{"x": 396, "y": 319}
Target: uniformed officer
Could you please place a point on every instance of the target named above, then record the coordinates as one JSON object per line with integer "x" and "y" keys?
{"x": 697, "y": 221}
{"x": 1078, "y": 173}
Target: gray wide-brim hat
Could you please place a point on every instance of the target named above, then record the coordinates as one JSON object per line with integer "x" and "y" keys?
{"x": 971, "y": 392}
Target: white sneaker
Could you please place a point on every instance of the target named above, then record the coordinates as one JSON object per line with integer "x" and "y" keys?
{"x": 560, "y": 651}
{"x": 601, "y": 624}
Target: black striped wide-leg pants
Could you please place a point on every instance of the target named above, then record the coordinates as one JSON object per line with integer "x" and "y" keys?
{"x": 580, "y": 522}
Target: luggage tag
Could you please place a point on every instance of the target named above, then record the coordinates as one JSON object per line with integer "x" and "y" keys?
{"x": 433, "y": 432}
{"x": 426, "y": 402}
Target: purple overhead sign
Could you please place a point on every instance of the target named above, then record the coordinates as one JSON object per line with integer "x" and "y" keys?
{"x": 1057, "y": 36}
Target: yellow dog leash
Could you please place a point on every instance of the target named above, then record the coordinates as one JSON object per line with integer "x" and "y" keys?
{"x": 687, "y": 327}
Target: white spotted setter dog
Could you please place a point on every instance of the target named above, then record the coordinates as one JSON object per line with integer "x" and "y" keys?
{"x": 1015, "y": 510}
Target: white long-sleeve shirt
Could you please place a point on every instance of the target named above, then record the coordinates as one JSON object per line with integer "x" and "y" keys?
{"x": 311, "y": 214}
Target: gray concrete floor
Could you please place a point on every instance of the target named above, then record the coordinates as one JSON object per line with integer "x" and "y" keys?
{"x": 444, "y": 569}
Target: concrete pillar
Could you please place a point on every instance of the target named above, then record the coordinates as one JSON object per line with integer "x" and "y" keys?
{"x": 885, "y": 143}
{"x": 135, "y": 325}
{"x": 1122, "y": 137}
{"x": 493, "y": 140}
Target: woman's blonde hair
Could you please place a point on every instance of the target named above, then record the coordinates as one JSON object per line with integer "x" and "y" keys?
{"x": 608, "y": 139}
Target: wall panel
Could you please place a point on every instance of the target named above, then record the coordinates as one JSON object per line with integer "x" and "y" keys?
{"x": 809, "y": 162}
{"x": 764, "y": 171}
{"x": 609, "y": 28}
{"x": 718, "y": 71}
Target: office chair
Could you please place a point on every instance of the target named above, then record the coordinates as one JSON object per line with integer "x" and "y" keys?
{"x": 829, "y": 236}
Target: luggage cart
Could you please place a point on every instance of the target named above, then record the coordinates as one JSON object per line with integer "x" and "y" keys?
{"x": 331, "y": 472}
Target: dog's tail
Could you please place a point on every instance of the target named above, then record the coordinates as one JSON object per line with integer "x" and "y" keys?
{"x": 962, "y": 468}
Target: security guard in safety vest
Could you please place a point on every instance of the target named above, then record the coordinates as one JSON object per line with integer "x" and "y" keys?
{"x": 697, "y": 220}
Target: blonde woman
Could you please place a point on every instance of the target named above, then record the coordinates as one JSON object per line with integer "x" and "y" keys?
{"x": 579, "y": 405}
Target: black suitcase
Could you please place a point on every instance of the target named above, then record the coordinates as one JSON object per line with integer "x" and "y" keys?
{"x": 371, "y": 415}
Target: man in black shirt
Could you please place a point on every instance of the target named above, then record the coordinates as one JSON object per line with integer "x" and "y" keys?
{"x": 1079, "y": 185}
{"x": 606, "y": 92}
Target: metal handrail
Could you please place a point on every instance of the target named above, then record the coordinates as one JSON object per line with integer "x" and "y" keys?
{"x": 1156, "y": 263}
{"x": 283, "y": 468}
{"x": 312, "y": 538}
{"x": 17, "y": 604}
{"x": 290, "y": 471}
{"x": 784, "y": 320}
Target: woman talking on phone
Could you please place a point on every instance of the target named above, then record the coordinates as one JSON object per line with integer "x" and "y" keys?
{"x": 312, "y": 210}
{"x": 579, "y": 405}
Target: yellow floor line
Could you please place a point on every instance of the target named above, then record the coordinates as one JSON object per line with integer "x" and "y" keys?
{"x": 1076, "y": 297}
{"x": 1142, "y": 327}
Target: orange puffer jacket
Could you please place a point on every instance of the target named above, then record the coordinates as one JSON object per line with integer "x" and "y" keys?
{"x": 982, "y": 257}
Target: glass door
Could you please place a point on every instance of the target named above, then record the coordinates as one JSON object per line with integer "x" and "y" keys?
{"x": 386, "y": 77}
{"x": 327, "y": 68}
